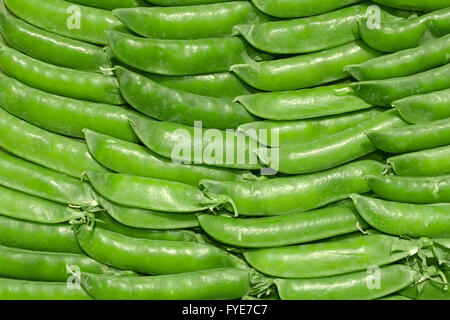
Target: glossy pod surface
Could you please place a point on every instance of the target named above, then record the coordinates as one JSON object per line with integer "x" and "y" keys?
{"x": 111, "y": 4}
{"x": 305, "y": 70}
{"x": 419, "y": 5}
{"x": 404, "y": 219}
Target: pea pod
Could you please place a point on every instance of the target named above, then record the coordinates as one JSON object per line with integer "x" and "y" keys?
{"x": 397, "y": 218}
{"x": 424, "y": 107}
{"x": 416, "y": 5}
{"x": 331, "y": 151}
{"x": 428, "y": 290}
{"x": 183, "y": 2}
{"x": 152, "y": 256}
{"x": 223, "y": 283}
{"x": 77, "y": 22}
{"x": 295, "y": 194}
{"x": 432, "y": 162}
{"x": 304, "y": 104}
{"x": 111, "y": 4}
{"x": 52, "y": 48}
{"x": 431, "y": 54}
{"x": 394, "y": 297}
{"x": 179, "y": 106}
{"x": 178, "y": 57}
{"x": 409, "y": 33}
{"x": 305, "y": 70}
{"x": 384, "y": 92}
{"x": 57, "y": 80}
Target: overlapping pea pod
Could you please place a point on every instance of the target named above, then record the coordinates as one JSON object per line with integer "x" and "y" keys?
{"x": 384, "y": 92}
{"x": 304, "y": 70}
{"x": 428, "y": 290}
{"x": 409, "y": 33}
{"x": 179, "y": 106}
{"x": 416, "y": 5}
{"x": 295, "y": 194}
{"x": 52, "y": 48}
{"x": 73, "y": 21}
{"x": 431, "y": 54}
{"x": 190, "y": 22}
{"x": 111, "y": 4}
{"x": 404, "y": 219}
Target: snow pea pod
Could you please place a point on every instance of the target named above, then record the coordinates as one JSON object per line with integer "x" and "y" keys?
{"x": 305, "y": 103}
{"x": 432, "y": 162}
{"x": 295, "y": 194}
{"x": 282, "y": 230}
{"x": 411, "y": 189}
{"x": 333, "y": 150}
{"x": 57, "y": 80}
{"x": 424, "y": 107}
{"x": 304, "y": 70}
{"x": 111, "y": 4}
{"x": 150, "y": 193}
{"x": 189, "y": 22}
{"x": 303, "y": 131}
{"x": 431, "y": 54}
{"x": 178, "y": 57}
{"x": 221, "y": 284}
{"x": 384, "y": 92}
{"x": 412, "y": 138}
{"x": 398, "y": 218}
{"x": 415, "y": 5}
{"x": 409, "y": 33}
{"x": 179, "y": 106}
{"x": 331, "y": 258}
{"x": 152, "y": 256}
{"x": 73, "y": 21}
{"x": 50, "y": 150}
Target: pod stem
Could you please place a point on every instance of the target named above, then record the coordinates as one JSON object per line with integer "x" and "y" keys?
{"x": 261, "y": 285}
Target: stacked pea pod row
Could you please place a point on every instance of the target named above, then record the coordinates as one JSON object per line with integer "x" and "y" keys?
{"x": 95, "y": 203}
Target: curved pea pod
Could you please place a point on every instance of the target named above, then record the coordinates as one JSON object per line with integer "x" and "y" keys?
{"x": 416, "y": 5}
{"x": 57, "y": 80}
{"x": 150, "y": 193}
{"x": 11, "y": 289}
{"x": 384, "y": 92}
{"x": 424, "y": 107}
{"x": 111, "y": 4}
{"x": 330, "y": 151}
{"x": 304, "y": 104}
{"x": 397, "y": 218}
{"x": 178, "y": 57}
{"x": 73, "y": 21}
{"x": 221, "y": 284}
{"x": 432, "y": 162}
{"x": 326, "y": 259}
{"x": 304, "y": 70}
{"x": 411, "y": 189}
{"x": 295, "y": 194}
{"x": 179, "y": 106}
{"x": 189, "y": 22}
{"x": 404, "y": 34}
{"x": 152, "y": 256}
{"x": 363, "y": 285}
{"x": 194, "y": 145}
{"x": 428, "y": 290}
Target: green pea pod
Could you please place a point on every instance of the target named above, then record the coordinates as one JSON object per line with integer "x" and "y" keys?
{"x": 221, "y": 284}
{"x": 33, "y": 290}
{"x": 178, "y": 57}
{"x": 57, "y": 80}
{"x": 424, "y": 107}
{"x": 73, "y": 21}
{"x": 295, "y": 194}
{"x": 179, "y": 106}
{"x": 416, "y": 5}
{"x": 111, "y": 4}
{"x": 304, "y": 70}
{"x": 150, "y": 193}
{"x": 330, "y": 151}
{"x": 432, "y": 162}
{"x": 428, "y": 291}
{"x": 411, "y": 189}
{"x": 183, "y": 2}
{"x": 189, "y": 22}
{"x": 152, "y": 256}
{"x": 384, "y": 92}
{"x": 397, "y": 218}
{"x": 325, "y": 259}
{"x": 304, "y": 104}
{"x": 409, "y": 33}
{"x": 412, "y": 138}
{"x": 194, "y": 145}
{"x": 37, "y": 236}
{"x": 52, "y": 48}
